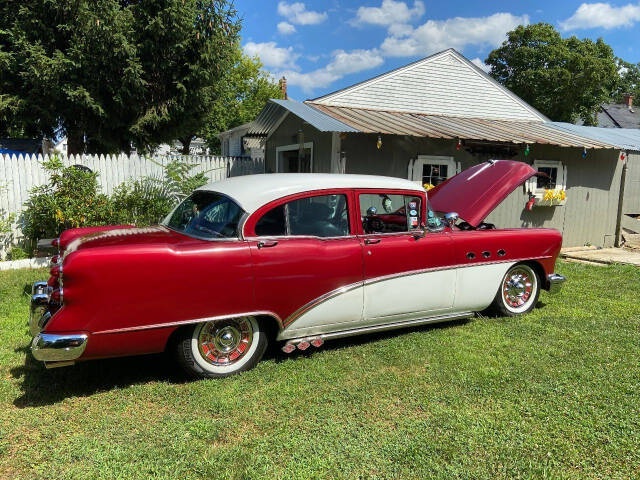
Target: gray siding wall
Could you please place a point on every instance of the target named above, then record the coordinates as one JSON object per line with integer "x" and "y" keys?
{"x": 632, "y": 185}
{"x": 287, "y": 134}
{"x": 593, "y": 183}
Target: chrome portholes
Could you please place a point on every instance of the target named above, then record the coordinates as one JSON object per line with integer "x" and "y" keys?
{"x": 225, "y": 342}
{"x": 519, "y": 288}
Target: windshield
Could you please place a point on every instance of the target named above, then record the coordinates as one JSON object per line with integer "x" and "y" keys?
{"x": 206, "y": 215}
{"x": 434, "y": 222}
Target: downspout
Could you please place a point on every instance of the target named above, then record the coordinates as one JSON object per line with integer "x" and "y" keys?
{"x": 623, "y": 178}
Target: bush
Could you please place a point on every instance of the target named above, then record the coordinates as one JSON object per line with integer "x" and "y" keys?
{"x": 148, "y": 201}
{"x": 71, "y": 199}
{"x": 17, "y": 253}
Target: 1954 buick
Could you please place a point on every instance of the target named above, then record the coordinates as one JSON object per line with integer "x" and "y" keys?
{"x": 293, "y": 258}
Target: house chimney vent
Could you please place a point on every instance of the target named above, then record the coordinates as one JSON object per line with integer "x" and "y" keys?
{"x": 283, "y": 87}
{"x": 627, "y": 99}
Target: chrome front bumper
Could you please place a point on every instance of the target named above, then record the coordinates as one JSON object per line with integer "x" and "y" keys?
{"x": 555, "y": 282}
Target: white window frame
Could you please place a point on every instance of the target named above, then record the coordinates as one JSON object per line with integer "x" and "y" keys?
{"x": 453, "y": 167}
{"x": 561, "y": 181}
{"x": 289, "y": 148}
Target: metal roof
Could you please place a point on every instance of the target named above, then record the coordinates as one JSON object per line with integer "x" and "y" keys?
{"x": 437, "y": 126}
{"x": 329, "y": 118}
{"x": 272, "y": 113}
{"x": 622, "y": 138}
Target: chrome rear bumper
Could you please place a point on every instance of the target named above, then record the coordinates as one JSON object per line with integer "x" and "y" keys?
{"x": 555, "y": 282}
{"x": 50, "y": 347}
{"x": 54, "y": 349}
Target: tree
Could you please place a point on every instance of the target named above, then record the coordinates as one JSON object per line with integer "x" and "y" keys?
{"x": 245, "y": 90}
{"x": 112, "y": 73}
{"x": 564, "y": 78}
{"x": 629, "y": 80}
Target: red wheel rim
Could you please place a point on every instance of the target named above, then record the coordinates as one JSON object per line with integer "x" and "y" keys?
{"x": 518, "y": 287}
{"x": 225, "y": 342}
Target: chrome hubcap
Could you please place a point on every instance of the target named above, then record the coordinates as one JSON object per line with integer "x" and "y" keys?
{"x": 226, "y": 341}
{"x": 518, "y": 287}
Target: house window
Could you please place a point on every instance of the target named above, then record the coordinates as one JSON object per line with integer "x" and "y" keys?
{"x": 432, "y": 170}
{"x": 293, "y": 159}
{"x": 553, "y": 176}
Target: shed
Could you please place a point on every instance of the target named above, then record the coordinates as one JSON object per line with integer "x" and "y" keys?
{"x": 430, "y": 119}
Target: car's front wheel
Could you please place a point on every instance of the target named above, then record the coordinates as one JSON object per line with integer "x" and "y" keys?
{"x": 518, "y": 292}
{"x": 221, "y": 348}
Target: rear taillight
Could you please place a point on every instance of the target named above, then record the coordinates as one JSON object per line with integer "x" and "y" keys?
{"x": 55, "y": 259}
{"x": 55, "y": 242}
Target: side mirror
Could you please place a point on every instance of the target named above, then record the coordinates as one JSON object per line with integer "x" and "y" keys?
{"x": 371, "y": 211}
{"x": 451, "y": 218}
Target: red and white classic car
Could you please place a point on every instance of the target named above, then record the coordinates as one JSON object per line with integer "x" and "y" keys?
{"x": 292, "y": 258}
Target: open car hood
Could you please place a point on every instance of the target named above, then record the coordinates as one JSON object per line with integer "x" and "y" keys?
{"x": 475, "y": 192}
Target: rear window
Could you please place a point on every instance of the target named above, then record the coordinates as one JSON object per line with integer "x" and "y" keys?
{"x": 208, "y": 215}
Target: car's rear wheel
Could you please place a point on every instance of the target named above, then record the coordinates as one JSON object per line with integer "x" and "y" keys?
{"x": 221, "y": 347}
{"x": 518, "y": 293}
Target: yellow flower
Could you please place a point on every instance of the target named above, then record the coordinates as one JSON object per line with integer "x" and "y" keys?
{"x": 428, "y": 186}
{"x": 59, "y": 215}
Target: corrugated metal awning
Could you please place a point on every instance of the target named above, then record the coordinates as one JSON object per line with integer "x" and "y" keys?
{"x": 437, "y": 126}
{"x": 271, "y": 114}
{"x": 330, "y": 118}
{"x": 623, "y": 138}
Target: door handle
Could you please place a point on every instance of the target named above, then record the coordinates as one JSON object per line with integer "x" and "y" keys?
{"x": 371, "y": 241}
{"x": 267, "y": 244}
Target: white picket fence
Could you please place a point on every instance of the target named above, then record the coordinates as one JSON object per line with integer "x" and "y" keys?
{"x": 20, "y": 174}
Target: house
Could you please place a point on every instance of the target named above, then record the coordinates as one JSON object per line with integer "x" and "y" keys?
{"x": 237, "y": 142}
{"x": 22, "y": 146}
{"x": 198, "y": 146}
{"x": 619, "y": 115}
{"x": 432, "y": 118}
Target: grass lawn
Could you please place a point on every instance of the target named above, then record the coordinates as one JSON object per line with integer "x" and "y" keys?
{"x": 555, "y": 394}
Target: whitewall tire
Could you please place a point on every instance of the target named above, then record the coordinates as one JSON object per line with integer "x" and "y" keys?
{"x": 221, "y": 348}
{"x": 518, "y": 292}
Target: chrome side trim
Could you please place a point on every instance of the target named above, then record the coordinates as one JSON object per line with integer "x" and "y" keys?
{"x": 49, "y": 347}
{"x": 189, "y": 322}
{"x": 394, "y": 325}
{"x": 317, "y": 301}
{"x": 555, "y": 282}
{"x": 329, "y": 295}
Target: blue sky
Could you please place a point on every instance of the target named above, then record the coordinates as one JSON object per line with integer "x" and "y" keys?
{"x": 322, "y": 46}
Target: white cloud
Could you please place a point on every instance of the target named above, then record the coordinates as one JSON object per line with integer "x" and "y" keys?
{"x": 286, "y": 28}
{"x": 436, "y": 35}
{"x": 594, "y": 15}
{"x": 481, "y": 65}
{"x": 342, "y": 63}
{"x": 390, "y": 12}
{"x": 298, "y": 14}
{"x": 271, "y": 55}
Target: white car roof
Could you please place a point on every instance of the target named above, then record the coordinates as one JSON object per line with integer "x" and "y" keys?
{"x": 253, "y": 191}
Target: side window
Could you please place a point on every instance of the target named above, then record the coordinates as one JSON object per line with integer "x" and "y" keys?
{"x": 319, "y": 216}
{"x": 382, "y": 213}
{"x": 272, "y": 223}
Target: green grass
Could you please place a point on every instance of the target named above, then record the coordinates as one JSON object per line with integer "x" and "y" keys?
{"x": 554, "y": 394}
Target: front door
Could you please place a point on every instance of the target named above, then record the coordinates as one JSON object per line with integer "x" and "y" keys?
{"x": 308, "y": 265}
{"x": 407, "y": 271}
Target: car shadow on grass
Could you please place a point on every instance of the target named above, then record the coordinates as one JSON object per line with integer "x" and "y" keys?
{"x": 41, "y": 386}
